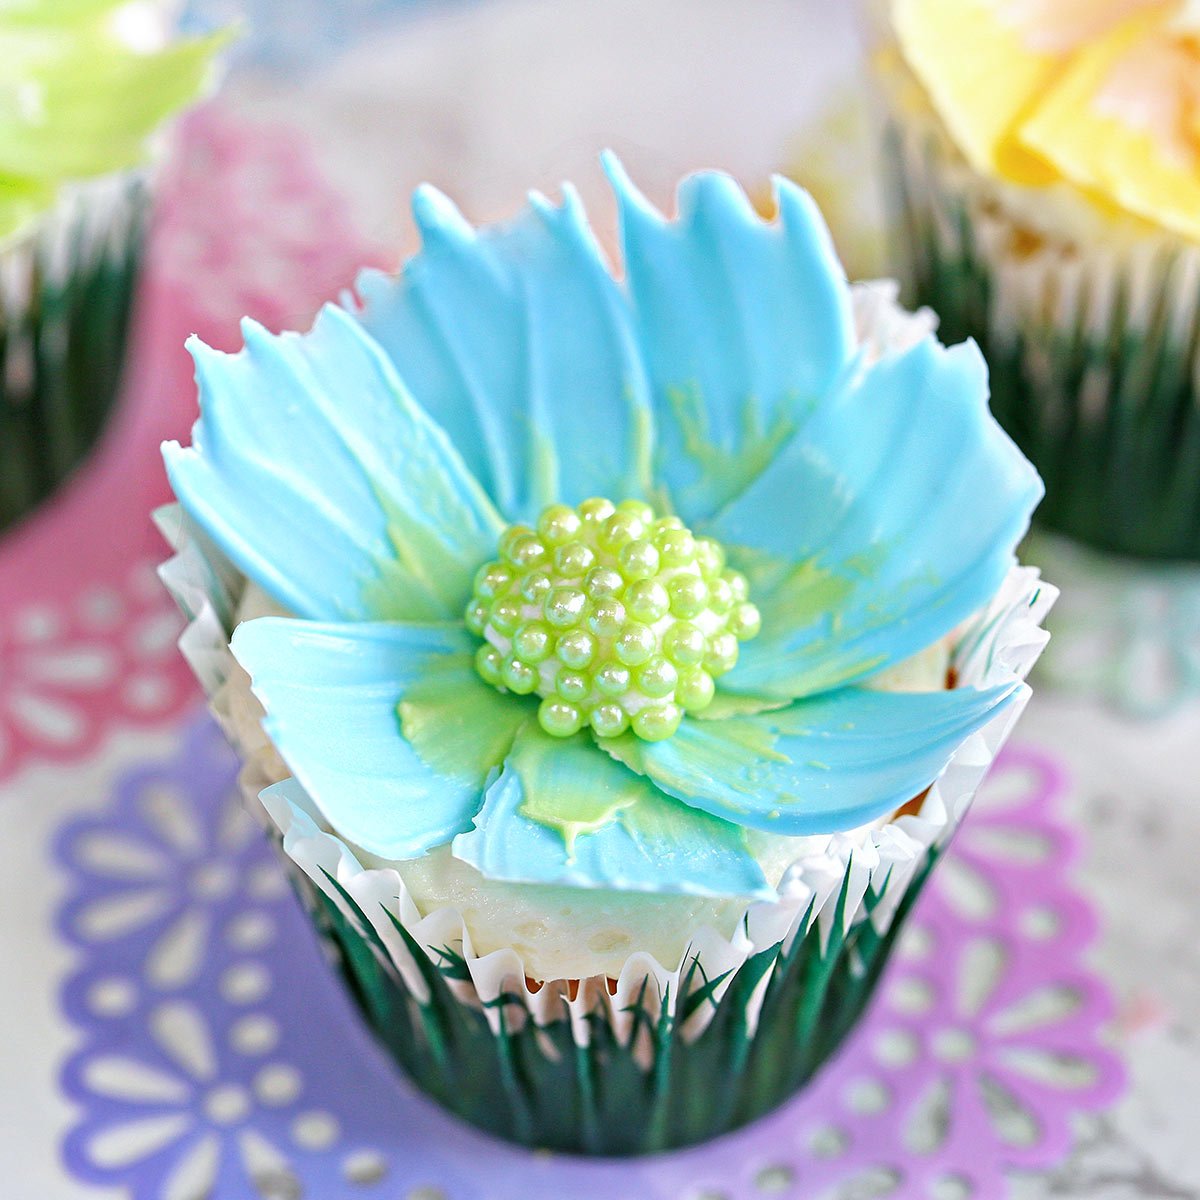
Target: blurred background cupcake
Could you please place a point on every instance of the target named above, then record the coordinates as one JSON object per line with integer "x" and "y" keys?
{"x": 1046, "y": 177}
{"x": 85, "y": 89}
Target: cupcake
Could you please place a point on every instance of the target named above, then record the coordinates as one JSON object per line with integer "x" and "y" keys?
{"x": 84, "y": 90}
{"x": 1046, "y": 172}
{"x": 613, "y": 651}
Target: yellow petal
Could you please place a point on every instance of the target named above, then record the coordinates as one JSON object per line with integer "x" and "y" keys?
{"x": 1117, "y": 121}
{"x": 981, "y": 77}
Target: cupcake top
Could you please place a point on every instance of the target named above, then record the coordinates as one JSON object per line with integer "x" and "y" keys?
{"x": 1101, "y": 94}
{"x": 589, "y": 574}
{"x": 83, "y": 86}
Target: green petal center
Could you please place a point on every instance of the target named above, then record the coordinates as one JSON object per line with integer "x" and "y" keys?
{"x": 618, "y": 618}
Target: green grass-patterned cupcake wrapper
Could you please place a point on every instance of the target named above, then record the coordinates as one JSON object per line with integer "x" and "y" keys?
{"x": 660, "y": 1056}
{"x": 66, "y": 297}
{"x": 1093, "y": 338}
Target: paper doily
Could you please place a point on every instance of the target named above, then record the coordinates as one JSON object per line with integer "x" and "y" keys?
{"x": 87, "y": 634}
{"x": 222, "y": 1059}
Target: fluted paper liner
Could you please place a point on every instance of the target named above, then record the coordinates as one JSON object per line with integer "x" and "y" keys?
{"x": 664, "y": 1054}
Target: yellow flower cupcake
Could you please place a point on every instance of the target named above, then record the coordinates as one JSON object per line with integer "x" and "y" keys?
{"x": 1047, "y": 176}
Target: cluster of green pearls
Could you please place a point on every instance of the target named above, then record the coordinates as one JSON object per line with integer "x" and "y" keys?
{"x": 617, "y": 618}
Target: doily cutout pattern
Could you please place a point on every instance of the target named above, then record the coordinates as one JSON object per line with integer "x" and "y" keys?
{"x": 222, "y": 1059}
{"x": 87, "y": 634}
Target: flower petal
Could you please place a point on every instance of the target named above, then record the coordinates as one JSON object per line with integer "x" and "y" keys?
{"x": 563, "y": 812}
{"x": 518, "y": 340}
{"x": 386, "y": 726}
{"x": 319, "y": 477}
{"x": 744, "y": 324}
{"x": 821, "y": 765}
{"x": 892, "y": 518}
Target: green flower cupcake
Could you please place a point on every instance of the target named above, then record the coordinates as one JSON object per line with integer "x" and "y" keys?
{"x": 85, "y": 87}
{"x": 614, "y": 656}
{"x": 1046, "y": 171}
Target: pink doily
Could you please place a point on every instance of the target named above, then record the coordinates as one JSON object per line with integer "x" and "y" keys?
{"x": 87, "y": 635}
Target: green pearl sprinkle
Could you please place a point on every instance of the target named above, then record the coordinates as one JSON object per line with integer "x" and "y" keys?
{"x": 647, "y": 600}
{"x": 677, "y": 547}
{"x": 607, "y": 617}
{"x": 564, "y": 607}
{"x": 639, "y": 559}
{"x": 608, "y": 720}
{"x": 559, "y": 718}
{"x": 596, "y": 511}
{"x": 689, "y": 595}
{"x": 512, "y": 535}
{"x": 573, "y": 560}
{"x": 492, "y": 580}
{"x": 685, "y": 644}
{"x": 616, "y": 618}
{"x": 603, "y": 581}
{"x": 710, "y": 557}
{"x": 657, "y": 722}
{"x": 745, "y": 622}
{"x": 506, "y": 616}
{"x": 535, "y": 586}
{"x": 528, "y": 551}
{"x": 612, "y": 679}
{"x": 634, "y": 644}
{"x": 573, "y": 686}
{"x": 558, "y": 524}
{"x": 519, "y": 676}
{"x": 577, "y": 648}
{"x": 533, "y": 642}
{"x": 489, "y": 662}
{"x": 695, "y": 689}
{"x": 657, "y": 678}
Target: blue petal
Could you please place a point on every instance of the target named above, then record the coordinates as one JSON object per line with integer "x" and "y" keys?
{"x": 829, "y": 763}
{"x": 563, "y": 812}
{"x": 518, "y": 340}
{"x": 891, "y": 518}
{"x": 745, "y": 325}
{"x": 315, "y": 472}
{"x": 386, "y": 726}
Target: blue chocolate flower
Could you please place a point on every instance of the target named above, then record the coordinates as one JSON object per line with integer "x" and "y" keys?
{"x": 590, "y": 575}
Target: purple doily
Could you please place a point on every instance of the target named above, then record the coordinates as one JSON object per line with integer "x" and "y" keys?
{"x": 222, "y": 1061}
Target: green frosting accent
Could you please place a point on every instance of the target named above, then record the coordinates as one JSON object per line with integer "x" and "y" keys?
{"x": 794, "y": 596}
{"x": 735, "y": 467}
{"x": 571, "y": 789}
{"x": 458, "y": 726}
{"x": 77, "y": 102}
{"x": 431, "y": 572}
